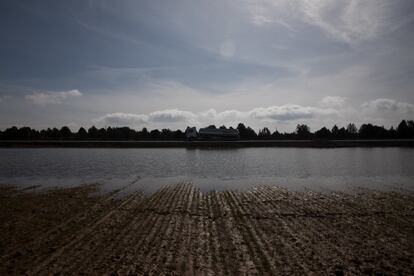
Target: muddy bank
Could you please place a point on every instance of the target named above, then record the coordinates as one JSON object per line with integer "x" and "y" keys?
{"x": 179, "y": 230}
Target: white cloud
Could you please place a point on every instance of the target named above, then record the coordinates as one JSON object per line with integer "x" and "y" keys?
{"x": 170, "y": 116}
{"x": 351, "y": 21}
{"x": 291, "y": 112}
{"x": 122, "y": 119}
{"x": 384, "y": 105}
{"x": 4, "y": 98}
{"x": 356, "y": 20}
{"x": 212, "y": 115}
{"x": 332, "y": 101}
{"x": 282, "y": 113}
{"x": 162, "y": 116}
{"x": 42, "y": 98}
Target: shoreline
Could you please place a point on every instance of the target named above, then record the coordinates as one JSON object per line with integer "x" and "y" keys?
{"x": 207, "y": 144}
{"x": 179, "y": 230}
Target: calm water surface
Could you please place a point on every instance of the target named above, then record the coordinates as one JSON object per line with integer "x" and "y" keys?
{"x": 295, "y": 168}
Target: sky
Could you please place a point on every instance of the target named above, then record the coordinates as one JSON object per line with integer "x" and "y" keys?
{"x": 172, "y": 64}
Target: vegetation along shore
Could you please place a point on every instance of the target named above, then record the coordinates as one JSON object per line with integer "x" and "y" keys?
{"x": 404, "y": 130}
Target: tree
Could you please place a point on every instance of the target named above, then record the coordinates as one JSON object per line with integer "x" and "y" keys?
{"x": 55, "y": 133}
{"x": 65, "y": 132}
{"x": 335, "y": 131}
{"x": 352, "y": 129}
{"x": 303, "y": 131}
{"x": 277, "y": 135}
{"x": 145, "y": 133}
{"x": 179, "y": 135}
{"x": 167, "y": 134}
{"x": 24, "y": 133}
{"x": 11, "y": 133}
{"x": 82, "y": 134}
{"x": 264, "y": 133}
{"x": 410, "y": 125}
{"x": 403, "y": 130}
{"x": 369, "y": 131}
{"x": 246, "y": 132}
{"x": 323, "y": 133}
{"x": 93, "y": 132}
{"x": 155, "y": 134}
{"x": 242, "y": 130}
{"x": 102, "y": 134}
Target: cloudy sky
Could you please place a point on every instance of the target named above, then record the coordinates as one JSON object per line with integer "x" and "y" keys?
{"x": 272, "y": 63}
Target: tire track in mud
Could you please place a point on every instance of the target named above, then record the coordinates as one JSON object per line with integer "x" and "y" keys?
{"x": 142, "y": 241}
{"x": 66, "y": 230}
{"x": 41, "y": 244}
{"x": 88, "y": 239}
{"x": 97, "y": 222}
{"x": 179, "y": 230}
{"x": 258, "y": 198}
{"x": 114, "y": 251}
{"x": 111, "y": 228}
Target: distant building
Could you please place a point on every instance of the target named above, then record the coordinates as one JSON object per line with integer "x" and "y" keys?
{"x": 212, "y": 133}
{"x": 191, "y": 133}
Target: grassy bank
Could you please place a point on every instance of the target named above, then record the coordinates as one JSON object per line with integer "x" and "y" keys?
{"x": 179, "y": 230}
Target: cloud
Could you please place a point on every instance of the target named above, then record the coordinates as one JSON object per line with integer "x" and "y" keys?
{"x": 212, "y": 115}
{"x": 351, "y": 21}
{"x": 4, "y": 98}
{"x": 384, "y": 105}
{"x": 354, "y": 21}
{"x": 162, "y": 116}
{"x": 43, "y": 98}
{"x": 290, "y": 112}
{"x": 171, "y": 115}
{"x": 121, "y": 119}
{"x": 332, "y": 101}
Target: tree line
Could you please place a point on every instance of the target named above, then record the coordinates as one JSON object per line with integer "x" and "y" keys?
{"x": 404, "y": 130}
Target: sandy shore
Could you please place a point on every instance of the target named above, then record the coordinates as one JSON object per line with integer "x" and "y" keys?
{"x": 179, "y": 230}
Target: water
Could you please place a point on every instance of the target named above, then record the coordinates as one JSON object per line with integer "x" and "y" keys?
{"x": 294, "y": 168}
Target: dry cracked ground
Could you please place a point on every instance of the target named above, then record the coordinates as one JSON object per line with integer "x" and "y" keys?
{"x": 180, "y": 231}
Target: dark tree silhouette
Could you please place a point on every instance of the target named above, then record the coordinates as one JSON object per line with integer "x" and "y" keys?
{"x": 246, "y": 133}
{"x": 65, "y": 133}
{"x": 405, "y": 130}
{"x": 155, "y": 134}
{"x": 93, "y": 132}
{"x": 102, "y": 134}
{"x": 303, "y": 131}
{"x": 277, "y": 135}
{"x": 264, "y": 133}
{"x": 352, "y": 130}
{"x": 55, "y": 134}
{"x": 145, "y": 134}
{"x": 323, "y": 133}
{"x": 369, "y": 131}
{"x": 335, "y": 131}
{"x": 82, "y": 134}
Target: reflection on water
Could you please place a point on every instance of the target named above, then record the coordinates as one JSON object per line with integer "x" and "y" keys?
{"x": 295, "y": 168}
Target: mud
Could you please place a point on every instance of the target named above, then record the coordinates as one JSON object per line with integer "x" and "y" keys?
{"x": 180, "y": 231}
